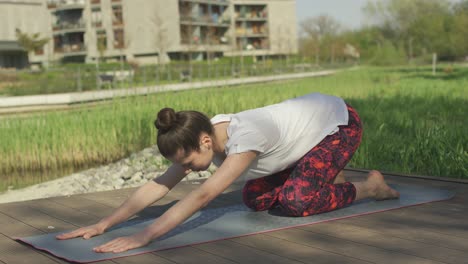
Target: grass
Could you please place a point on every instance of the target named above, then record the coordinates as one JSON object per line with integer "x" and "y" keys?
{"x": 84, "y": 77}
{"x": 414, "y": 123}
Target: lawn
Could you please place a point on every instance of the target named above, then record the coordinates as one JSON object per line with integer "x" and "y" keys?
{"x": 414, "y": 122}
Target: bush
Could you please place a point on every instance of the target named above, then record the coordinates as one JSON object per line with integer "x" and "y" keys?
{"x": 388, "y": 55}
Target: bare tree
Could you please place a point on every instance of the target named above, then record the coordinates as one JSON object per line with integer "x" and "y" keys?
{"x": 160, "y": 33}
{"x": 317, "y": 28}
{"x": 31, "y": 42}
{"x": 285, "y": 46}
{"x": 189, "y": 39}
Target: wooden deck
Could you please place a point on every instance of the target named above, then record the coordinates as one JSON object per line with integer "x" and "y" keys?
{"x": 430, "y": 233}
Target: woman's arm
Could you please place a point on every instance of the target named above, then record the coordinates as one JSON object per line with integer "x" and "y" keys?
{"x": 146, "y": 195}
{"x": 232, "y": 167}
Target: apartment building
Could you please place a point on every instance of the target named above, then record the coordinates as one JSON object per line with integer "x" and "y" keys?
{"x": 30, "y": 17}
{"x": 152, "y": 31}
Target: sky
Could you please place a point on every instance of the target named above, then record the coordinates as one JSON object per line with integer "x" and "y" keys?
{"x": 347, "y": 12}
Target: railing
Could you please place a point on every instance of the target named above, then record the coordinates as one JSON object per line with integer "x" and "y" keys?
{"x": 213, "y": 19}
{"x": 203, "y": 40}
{"x": 218, "y": 2}
{"x": 260, "y": 32}
{"x": 69, "y": 25}
{"x": 62, "y": 3}
{"x": 251, "y": 15}
{"x": 71, "y": 48}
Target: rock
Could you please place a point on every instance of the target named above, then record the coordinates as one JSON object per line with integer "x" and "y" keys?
{"x": 137, "y": 177}
{"x": 134, "y": 171}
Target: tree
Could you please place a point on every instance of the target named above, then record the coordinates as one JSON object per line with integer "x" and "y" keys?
{"x": 31, "y": 42}
{"x": 189, "y": 38}
{"x": 460, "y": 14}
{"x": 160, "y": 33}
{"x": 318, "y": 28}
{"x": 419, "y": 24}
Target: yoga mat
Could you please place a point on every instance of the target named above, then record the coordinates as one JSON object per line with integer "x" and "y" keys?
{"x": 223, "y": 223}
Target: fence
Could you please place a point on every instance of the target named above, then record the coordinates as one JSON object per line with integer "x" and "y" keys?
{"x": 86, "y": 78}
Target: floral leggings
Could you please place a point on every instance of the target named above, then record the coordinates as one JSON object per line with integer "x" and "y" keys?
{"x": 307, "y": 188}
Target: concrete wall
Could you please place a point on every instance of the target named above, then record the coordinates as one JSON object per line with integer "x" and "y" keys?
{"x": 282, "y": 26}
{"x": 151, "y": 26}
{"x": 30, "y": 16}
{"x": 141, "y": 28}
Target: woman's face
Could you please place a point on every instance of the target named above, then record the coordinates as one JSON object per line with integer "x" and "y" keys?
{"x": 195, "y": 160}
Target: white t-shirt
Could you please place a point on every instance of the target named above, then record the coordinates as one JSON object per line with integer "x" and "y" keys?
{"x": 282, "y": 133}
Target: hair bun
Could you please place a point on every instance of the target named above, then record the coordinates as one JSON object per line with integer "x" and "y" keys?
{"x": 166, "y": 119}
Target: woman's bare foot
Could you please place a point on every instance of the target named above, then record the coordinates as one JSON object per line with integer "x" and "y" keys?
{"x": 340, "y": 178}
{"x": 378, "y": 188}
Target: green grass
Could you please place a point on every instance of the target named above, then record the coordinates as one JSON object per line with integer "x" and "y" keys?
{"x": 413, "y": 123}
{"x": 84, "y": 77}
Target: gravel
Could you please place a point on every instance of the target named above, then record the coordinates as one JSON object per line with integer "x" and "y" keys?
{"x": 133, "y": 171}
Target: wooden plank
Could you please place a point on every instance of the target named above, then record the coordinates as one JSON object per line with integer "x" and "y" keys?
{"x": 9, "y": 228}
{"x": 12, "y": 227}
{"x": 294, "y": 251}
{"x": 86, "y": 206}
{"x": 190, "y": 255}
{"x": 15, "y": 253}
{"x": 387, "y": 242}
{"x": 243, "y": 254}
{"x": 407, "y": 231}
{"x": 144, "y": 258}
{"x": 110, "y": 198}
{"x": 347, "y": 248}
{"x": 64, "y": 213}
{"x": 25, "y": 213}
{"x": 429, "y": 217}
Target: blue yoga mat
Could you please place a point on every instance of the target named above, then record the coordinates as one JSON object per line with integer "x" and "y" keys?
{"x": 223, "y": 223}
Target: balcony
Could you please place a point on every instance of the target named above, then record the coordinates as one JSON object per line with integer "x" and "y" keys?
{"x": 64, "y": 5}
{"x": 250, "y": 13}
{"x": 206, "y": 40}
{"x": 71, "y": 49}
{"x": 244, "y": 17}
{"x": 207, "y": 20}
{"x": 253, "y": 46}
{"x": 254, "y": 32}
{"x": 212, "y": 2}
{"x": 69, "y": 26}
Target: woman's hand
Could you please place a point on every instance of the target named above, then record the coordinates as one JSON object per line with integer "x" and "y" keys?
{"x": 85, "y": 232}
{"x": 122, "y": 244}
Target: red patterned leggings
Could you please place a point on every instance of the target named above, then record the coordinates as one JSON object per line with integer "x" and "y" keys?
{"x": 307, "y": 188}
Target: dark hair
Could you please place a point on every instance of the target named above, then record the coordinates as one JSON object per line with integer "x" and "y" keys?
{"x": 180, "y": 130}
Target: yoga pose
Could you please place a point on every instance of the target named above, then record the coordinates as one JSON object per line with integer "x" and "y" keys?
{"x": 290, "y": 154}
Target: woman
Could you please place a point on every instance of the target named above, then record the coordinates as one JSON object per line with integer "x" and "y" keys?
{"x": 290, "y": 154}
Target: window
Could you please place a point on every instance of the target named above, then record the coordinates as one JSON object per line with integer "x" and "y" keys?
{"x": 101, "y": 38}
{"x": 96, "y": 17}
{"x": 117, "y": 17}
{"x": 39, "y": 51}
{"x": 118, "y": 38}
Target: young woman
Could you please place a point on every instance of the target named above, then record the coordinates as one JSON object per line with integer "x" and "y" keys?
{"x": 290, "y": 154}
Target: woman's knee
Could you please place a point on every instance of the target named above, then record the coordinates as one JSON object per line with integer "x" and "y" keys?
{"x": 249, "y": 201}
{"x": 292, "y": 206}
{"x": 257, "y": 203}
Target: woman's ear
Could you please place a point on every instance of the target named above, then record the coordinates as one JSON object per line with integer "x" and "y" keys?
{"x": 206, "y": 141}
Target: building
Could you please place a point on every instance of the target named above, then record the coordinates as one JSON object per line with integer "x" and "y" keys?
{"x": 153, "y": 31}
{"x": 30, "y": 17}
